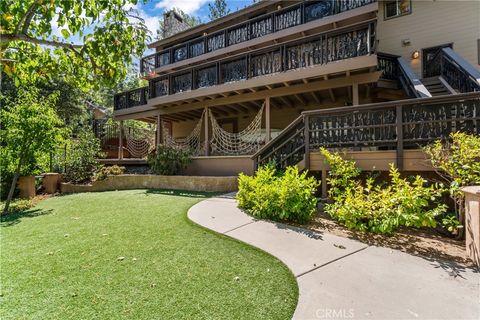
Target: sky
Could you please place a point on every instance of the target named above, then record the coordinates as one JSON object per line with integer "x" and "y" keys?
{"x": 154, "y": 9}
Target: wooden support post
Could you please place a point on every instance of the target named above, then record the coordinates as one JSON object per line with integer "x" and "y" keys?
{"x": 120, "y": 141}
{"x": 267, "y": 119}
{"x": 306, "y": 134}
{"x": 324, "y": 184}
{"x": 207, "y": 142}
{"x": 399, "y": 123}
{"x": 159, "y": 131}
{"x": 355, "y": 97}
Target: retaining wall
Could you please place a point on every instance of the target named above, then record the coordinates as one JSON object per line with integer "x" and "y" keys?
{"x": 149, "y": 181}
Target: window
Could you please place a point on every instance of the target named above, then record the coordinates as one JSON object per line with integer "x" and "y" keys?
{"x": 396, "y": 8}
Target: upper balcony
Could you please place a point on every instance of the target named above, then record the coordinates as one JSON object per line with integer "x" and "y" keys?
{"x": 301, "y": 60}
{"x": 254, "y": 33}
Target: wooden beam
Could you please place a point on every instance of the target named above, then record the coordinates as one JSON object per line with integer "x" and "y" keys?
{"x": 281, "y": 91}
{"x": 207, "y": 142}
{"x": 267, "y": 118}
{"x": 286, "y": 101}
{"x": 159, "y": 130}
{"x": 120, "y": 141}
{"x": 355, "y": 97}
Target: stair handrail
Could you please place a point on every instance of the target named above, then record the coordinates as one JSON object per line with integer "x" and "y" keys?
{"x": 410, "y": 81}
{"x": 472, "y": 75}
{"x": 305, "y": 117}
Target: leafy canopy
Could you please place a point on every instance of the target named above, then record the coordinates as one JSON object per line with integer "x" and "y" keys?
{"x": 218, "y": 9}
{"x": 83, "y": 41}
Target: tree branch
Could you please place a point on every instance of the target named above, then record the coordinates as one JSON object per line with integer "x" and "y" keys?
{"x": 6, "y": 38}
{"x": 27, "y": 17}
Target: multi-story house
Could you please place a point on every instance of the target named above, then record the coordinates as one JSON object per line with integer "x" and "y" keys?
{"x": 279, "y": 79}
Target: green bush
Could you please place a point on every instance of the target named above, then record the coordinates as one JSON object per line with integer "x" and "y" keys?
{"x": 457, "y": 160}
{"x": 81, "y": 163}
{"x": 168, "y": 161}
{"x": 382, "y": 208}
{"x": 104, "y": 172}
{"x": 287, "y": 196}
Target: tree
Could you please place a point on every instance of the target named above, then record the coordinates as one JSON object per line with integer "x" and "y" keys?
{"x": 218, "y": 9}
{"x": 82, "y": 41}
{"x": 31, "y": 127}
{"x": 190, "y": 20}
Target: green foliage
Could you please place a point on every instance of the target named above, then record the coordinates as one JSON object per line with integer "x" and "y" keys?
{"x": 83, "y": 41}
{"x": 30, "y": 129}
{"x": 218, "y": 9}
{"x": 82, "y": 156}
{"x": 379, "y": 208}
{"x": 457, "y": 160}
{"x": 450, "y": 223}
{"x": 283, "y": 197}
{"x": 104, "y": 172}
{"x": 17, "y": 205}
{"x": 168, "y": 161}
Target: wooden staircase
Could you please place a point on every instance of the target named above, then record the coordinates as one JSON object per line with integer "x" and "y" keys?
{"x": 437, "y": 86}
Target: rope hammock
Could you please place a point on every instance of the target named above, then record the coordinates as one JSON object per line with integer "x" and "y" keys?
{"x": 248, "y": 141}
{"x": 191, "y": 142}
{"x": 140, "y": 141}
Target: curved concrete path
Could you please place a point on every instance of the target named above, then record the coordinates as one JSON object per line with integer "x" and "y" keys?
{"x": 339, "y": 278}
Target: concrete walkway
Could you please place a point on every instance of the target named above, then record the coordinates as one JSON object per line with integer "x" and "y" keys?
{"x": 339, "y": 278}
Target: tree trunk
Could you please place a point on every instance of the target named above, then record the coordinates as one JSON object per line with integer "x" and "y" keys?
{"x": 14, "y": 183}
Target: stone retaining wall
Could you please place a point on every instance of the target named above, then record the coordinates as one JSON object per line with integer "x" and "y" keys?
{"x": 149, "y": 181}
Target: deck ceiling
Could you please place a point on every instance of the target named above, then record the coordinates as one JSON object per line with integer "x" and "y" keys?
{"x": 297, "y": 94}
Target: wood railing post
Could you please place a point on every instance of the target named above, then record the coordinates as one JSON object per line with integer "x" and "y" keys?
{"x": 159, "y": 131}
{"x": 120, "y": 141}
{"x": 267, "y": 119}
{"x": 306, "y": 133}
{"x": 399, "y": 123}
{"x": 207, "y": 142}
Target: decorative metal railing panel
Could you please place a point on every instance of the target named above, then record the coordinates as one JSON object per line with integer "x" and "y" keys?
{"x": 182, "y": 82}
{"x": 456, "y": 77}
{"x": 237, "y": 35}
{"x": 318, "y": 9}
{"x": 162, "y": 58}
{"x": 180, "y": 53}
{"x": 216, "y": 42}
{"x": 234, "y": 70}
{"x": 132, "y": 98}
{"x": 263, "y": 25}
{"x": 389, "y": 126}
{"x": 265, "y": 63}
{"x": 388, "y": 64}
{"x": 206, "y": 77}
{"x": 316, "y": 50}
{"x": 159, "y": 87}
{"x": 147, "y": 64}
{"x": 196, "y": 49}
{"x": 288, "y": 18}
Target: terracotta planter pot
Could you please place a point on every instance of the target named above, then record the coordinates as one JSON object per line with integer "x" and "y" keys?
{"x": 51, "y": 181}
{"x": 26, "y": 185}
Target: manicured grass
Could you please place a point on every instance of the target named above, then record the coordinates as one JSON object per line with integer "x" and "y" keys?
{"x": 59, "y": 260}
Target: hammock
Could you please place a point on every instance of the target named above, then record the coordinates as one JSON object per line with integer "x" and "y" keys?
{"x": 248, "y": 141}
{"x": 140, "y": 141}
{"x": 191, "y": 142}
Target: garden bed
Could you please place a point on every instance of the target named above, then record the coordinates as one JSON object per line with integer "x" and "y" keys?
{"x": 428, "y": 243}
{"x": 151, "y": 181}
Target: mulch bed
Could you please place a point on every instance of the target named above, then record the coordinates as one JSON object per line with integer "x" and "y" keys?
{"x": 427, "y": 243}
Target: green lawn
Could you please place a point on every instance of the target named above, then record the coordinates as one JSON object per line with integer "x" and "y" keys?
{"x": 60, "y": 260}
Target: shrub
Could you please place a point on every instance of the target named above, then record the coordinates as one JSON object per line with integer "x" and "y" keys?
{"x": 168, "y": 161}
{"x": 17, "y": 205}
{"x": 104, "y": 172}
{"x": 287, "y": 196}
{"x": 457, "y": 160}
{"x": 81, "y": 163}
{"x": 380, "y": 208}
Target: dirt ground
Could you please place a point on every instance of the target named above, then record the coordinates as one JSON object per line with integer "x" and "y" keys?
{"x": 427, "y": 243}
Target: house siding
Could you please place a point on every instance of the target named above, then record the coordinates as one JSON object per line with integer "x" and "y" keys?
{"x": 430, "y": 24}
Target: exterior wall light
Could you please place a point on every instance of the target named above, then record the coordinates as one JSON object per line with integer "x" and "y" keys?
{"x": 416, "y": 54}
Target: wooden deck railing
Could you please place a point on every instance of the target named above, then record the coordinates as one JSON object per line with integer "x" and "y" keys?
{"x": 257, "y": 27}
{"x": 322, "y": 48}
{"x": 389, "y": 126}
